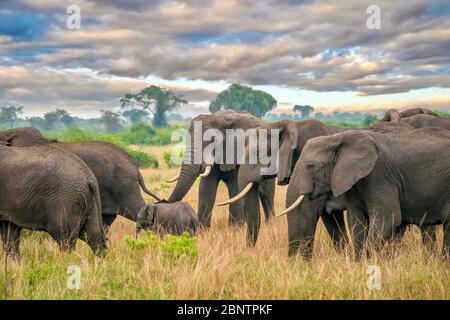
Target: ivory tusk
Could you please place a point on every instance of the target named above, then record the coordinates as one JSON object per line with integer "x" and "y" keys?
{"x": 238, "y": 196}
{"x": 293, "y": 206}
{"x": 207, "y": 172}
{"x": 174, "y": 178}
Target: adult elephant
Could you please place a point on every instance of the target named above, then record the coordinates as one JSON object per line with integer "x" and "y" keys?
{"x": 393, "y": 115}
{"x": 292, "y": 138}
{"x": 211, "y": 171}
{"x": 118, "y": 175}
{"x": 46, "y": 188}
{"x": 417, "y": 117}
{"x": 384, "y": 180}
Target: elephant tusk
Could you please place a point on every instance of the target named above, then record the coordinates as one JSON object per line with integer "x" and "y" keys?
{"x": 238, "y": 196}
{"x": 207, "y": 172}
{"x": 293, "y": 206}
{"x": 174, "y": 178}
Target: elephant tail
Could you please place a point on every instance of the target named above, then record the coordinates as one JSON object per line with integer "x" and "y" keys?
{"x": 144, "y": 188}
{"x": 94, "y": 233}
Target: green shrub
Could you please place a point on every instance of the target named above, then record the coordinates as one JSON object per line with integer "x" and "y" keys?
{"x": 145, "y": 134}
{"x": 183, "y": 246}
{"x": 443, "y": 114}
{"x": 143, "y": 159}
{"x": 167, "y": 157}
{"x": 177, "y": 247}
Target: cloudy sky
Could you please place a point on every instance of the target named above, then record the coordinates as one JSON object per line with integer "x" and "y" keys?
{"x": 307, "y": 52}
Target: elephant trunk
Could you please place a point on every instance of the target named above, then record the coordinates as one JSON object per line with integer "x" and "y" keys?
{"x": 302, "y": 223}
{"x": 189, "y": 172}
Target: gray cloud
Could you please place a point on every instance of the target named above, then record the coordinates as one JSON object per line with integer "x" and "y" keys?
{"x": 316, "y": 45}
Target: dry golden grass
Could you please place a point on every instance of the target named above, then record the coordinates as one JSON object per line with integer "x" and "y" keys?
{"x": 225, "y": 267}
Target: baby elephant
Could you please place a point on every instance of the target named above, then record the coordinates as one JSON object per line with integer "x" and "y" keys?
{"x": 162, "y": 217}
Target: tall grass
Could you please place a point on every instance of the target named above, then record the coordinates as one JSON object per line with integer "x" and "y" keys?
{"x": 224, "y": 267}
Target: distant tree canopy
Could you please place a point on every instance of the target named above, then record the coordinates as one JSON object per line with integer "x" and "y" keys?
{"x": 10, "y": 115}
{"x": 304, "y": 110}
{"x": 369, "y": 119}
{"x": 111, "y": 121}
{"x": 156, "y": 100}
{"x": 135, "y": 115}
{"x": 53, "y": 120}
{"x": 242, "y": 98}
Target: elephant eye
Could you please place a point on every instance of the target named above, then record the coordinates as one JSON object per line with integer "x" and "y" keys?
{"x": 310, "y": 166}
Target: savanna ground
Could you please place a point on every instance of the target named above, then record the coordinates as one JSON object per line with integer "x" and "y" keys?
{"x": 224, "y": 267}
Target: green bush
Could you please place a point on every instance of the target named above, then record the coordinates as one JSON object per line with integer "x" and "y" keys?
{"x": 167, "y": 157}
{"x": 183, "y": 246}
{"x": 443, "y": 114}
{"x": 145, "y": 134}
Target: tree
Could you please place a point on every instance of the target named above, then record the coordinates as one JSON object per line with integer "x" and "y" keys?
{"x": 242, "y": 98}
{"x": 57, "y": 118}
{"x": 156, "y": 100}
{"x": 10, "y": 115}
{"x": 135, "y": 115}
{"x": 369, "y": 119}
{"x": 65, "y": 117}
{"x": 305, "y": 110}
{"x": 111, "y": 121}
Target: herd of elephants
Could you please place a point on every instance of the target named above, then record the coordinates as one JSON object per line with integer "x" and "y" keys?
{"x": 394, "y": 173}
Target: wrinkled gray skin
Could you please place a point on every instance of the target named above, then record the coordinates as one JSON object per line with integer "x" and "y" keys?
{"x": 48, "y": 189}
{"x": 384, "y": 180}
{"x": 424, "y": 120}
{"x": 292, "y": 138}
{"x": 393, "y": 115}
{"x": 417, "y": 117}
{"x": 228, "y": 173}
{"x": 331, "y": 211}
{"x": 118, "y": 175}
{"x": 174, "y": 218}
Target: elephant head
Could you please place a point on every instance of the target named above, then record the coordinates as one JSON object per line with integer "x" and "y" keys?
{"x": 23, "y": 137}
{"x": 331, "y": 164}
{"x": 146, "y": 218}
{"x": 219, "y": 123}
{"x": 283, "y": 153}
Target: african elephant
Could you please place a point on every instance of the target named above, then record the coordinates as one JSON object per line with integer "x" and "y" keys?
{"x": 292, "y": 138}
{"x": 46, "y": 188}
{"x": 211, "y": 171}
{"x": 383, "y": 180}
{"x": 118, "y": 175}
{"x": 393, "y": 115}
{"x": 174, "y": 218}
{"x": 417, "y": 117}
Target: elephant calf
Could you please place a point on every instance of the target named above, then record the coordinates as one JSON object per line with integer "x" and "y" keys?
{"x": 174, "y": 218}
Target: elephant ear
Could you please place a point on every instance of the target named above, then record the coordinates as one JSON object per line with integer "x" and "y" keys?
{"x": 356, "y": 156}
{"x": 287, "y": 148}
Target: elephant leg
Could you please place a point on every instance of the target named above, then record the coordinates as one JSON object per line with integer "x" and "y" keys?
{"x": 252, "y": 210}
{"x": 358, "y": 227}
{"x": 429, "y": 237}
{"x": 266, "y": 193}
{"x": 207, "y": 197}
{"x": 335, "y": 225}
{"x": 401, "y": 231}
{"x": 108, "y": 220}
{"x": 11, "y": 239}
{"x": 446, "y": 244}
{"x": 382, "y": 226}
{"x": 236, "y": 209}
